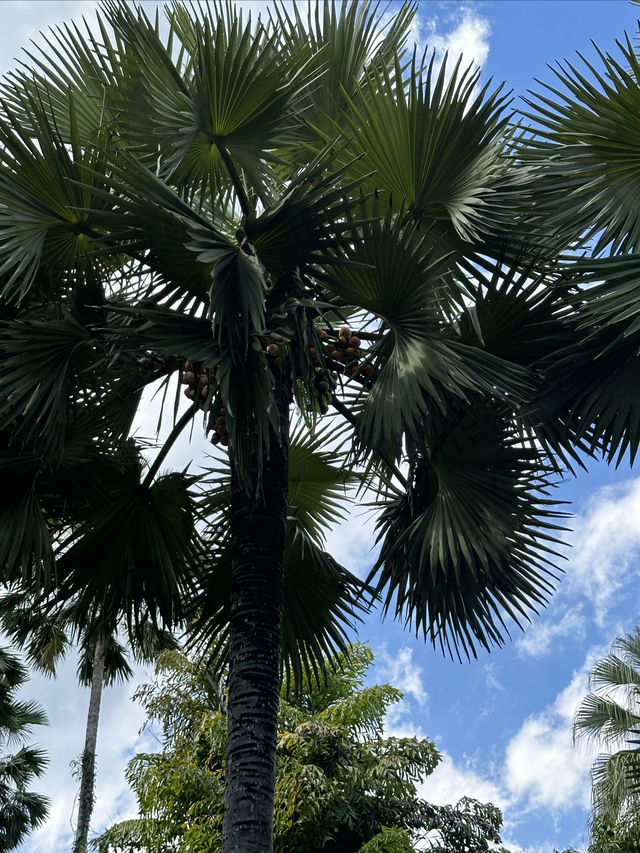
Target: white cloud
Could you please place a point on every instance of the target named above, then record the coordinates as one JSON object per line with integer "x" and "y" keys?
{"x": 491, "y": 679}
{"x": 542, "y": 767}
{"x": 450, "y": 781}
{"x": 467, "y": 36}
{"x": 541, "y": 637}
{"x": 400, "y": 670}
{"x": 23, "y": 22}
{"x": 606, "y": 547}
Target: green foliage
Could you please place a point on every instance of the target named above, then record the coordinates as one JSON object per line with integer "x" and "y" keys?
{"x": 206, "y": 196}
{"x": 616, "y": 836}
{"x": 341, "y": 784}
{"x": 609, "y": 714}
{"x": 21, "y": 810}
{"x": 211, "y": 201}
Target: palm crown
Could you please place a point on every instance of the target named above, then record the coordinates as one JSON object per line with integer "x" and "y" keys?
{"x": 193, "y": 202}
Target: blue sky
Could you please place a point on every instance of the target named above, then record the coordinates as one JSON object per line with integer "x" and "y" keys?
{"x": 503, "y": 722}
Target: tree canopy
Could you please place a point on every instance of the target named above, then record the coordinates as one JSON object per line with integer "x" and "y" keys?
{"x": 342, "y": 785}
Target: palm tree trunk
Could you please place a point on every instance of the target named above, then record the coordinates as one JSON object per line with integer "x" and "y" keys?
{"x": 88, "y": 765}
{"x": 255, "y": 635}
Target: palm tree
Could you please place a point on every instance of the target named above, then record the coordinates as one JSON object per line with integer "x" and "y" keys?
{"x": 21, "y": 810}
{"x": 611, "y": 714}
{"x": 297, "y": 220}
{"x": 46, "y": 636}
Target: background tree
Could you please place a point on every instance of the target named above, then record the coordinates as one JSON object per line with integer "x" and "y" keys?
{"x": 290, "y": 211}
{"x": 341, "y": 785}
{"x": 615, "y": 836}
{"x": 610, "y": 714}
{"x": 46, "y": 634}
{"x": 21, "y": 810}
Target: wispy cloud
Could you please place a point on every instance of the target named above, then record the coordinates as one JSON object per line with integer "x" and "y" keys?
{"x": 605, "y": 549}
{"x": 450, "y": 781}
{"x": 542, "y": 767}
{"x": 542, "y": 637}
{"x": 402, "y": 672}
{"x": 462, "y": 34}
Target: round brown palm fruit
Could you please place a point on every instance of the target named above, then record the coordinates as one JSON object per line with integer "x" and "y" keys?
{"x": 345, "y": 332}
{"x": 337, "y": 354}
{"x": 188, "y": 377}
{"x": 272, "y": 350}
{"x": 354, "y": 341}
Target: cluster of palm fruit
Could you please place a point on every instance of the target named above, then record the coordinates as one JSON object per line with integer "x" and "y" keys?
{"x": 343, "y": 347}
{"x": 220, "y": 432}
{"x": 196, "y": 378}
{"x": 158, "y": 364}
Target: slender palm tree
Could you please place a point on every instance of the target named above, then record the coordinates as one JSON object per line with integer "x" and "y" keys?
{"x": 21, "y": 810}
{"x": 297, "y": 220}
{"x": 610, "y": 714}
{"x": 46, "y": 637}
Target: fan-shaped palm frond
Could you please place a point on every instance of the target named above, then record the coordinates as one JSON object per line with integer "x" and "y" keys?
{"x": 432, "y": 142}
{"x": 340, "y": 43}
{"x": 472, "y": 537}
{"x": 221, "y": 106}
{"x": 587, "y": 135}
{"x": 136, "y": 553}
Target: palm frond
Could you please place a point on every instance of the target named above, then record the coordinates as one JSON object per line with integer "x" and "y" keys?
{"x": 473, "y": 538}
{"x": 340, "y": 43}
{"x": 432, "y": 143}
{"x": 614, "y": 777}
{"x": 47, "y": 190}
{"x": 587, "y": 143}
{"x": 224, "y": 100}
{"x": 398, "y": 276}
{"x": 134, "y": 554}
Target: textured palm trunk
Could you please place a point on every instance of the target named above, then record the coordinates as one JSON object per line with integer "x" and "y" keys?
{"x": 88, "y": 762}
{"x": 258, "y": 533}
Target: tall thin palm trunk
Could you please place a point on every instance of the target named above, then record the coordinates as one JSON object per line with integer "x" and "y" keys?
{"x": 255, "y": 634}
{"x": 88, "y": 764}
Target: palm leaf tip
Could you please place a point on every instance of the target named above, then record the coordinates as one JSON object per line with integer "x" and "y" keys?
{"x": 474, "y": 538}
